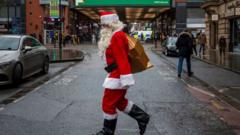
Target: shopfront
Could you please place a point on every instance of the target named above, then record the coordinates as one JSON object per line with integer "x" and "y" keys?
{"x": 235, "y": 34}
{"x": 233, "y": 15}
{"x": 12, "y": 16}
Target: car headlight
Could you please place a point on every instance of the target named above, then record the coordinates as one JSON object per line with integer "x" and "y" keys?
{"x": 5, "y": 65}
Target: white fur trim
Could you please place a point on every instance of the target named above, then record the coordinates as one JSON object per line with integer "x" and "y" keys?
{"x": 129, "y": 107}
{"x": 112, "y": 83}
{"x": 127, "y": 80}
{"x": 109, "y": 116}
{"x": 119, "y": 83}
{"x": 107, "y": 19}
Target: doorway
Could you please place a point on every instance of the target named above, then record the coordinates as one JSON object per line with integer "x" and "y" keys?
{"x": 213, "y": 35}
{"x": 235, "y": 35}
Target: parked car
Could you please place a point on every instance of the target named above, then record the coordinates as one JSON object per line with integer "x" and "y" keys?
{"x": 21, "y": 56}
{"x": 169, "y": 46}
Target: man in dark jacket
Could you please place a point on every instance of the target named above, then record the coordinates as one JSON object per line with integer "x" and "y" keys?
{"x": 184, "y": 45}
{"x": 222, "y": 45}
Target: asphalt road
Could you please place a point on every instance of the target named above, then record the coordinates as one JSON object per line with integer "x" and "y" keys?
{"x": 7, "y": 91}
{"x": 70, "y": 104}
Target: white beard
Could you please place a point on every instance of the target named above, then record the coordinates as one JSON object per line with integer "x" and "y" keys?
{"x": 106, "y": 35}
{"x": 104, "y": 42}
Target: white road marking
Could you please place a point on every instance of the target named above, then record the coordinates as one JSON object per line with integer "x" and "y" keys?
{"x": 201, "y": 91}
{"x": 223, "y": 90}
{"x": 163, "y": 73}
{"x": 1, "y": 108}
{"x": 65, "y": 80}
{"x": 19, "y": 99}
{"x": 36, "y": 89}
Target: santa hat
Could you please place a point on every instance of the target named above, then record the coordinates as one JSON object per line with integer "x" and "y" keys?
{"x": 108, "y": 17}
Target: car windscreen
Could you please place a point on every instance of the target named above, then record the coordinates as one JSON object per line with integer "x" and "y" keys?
{"x": 9, "y": 43}
{"x": 172, "y": 40}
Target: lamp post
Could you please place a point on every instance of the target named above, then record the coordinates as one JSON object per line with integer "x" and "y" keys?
{"x": 8, "y": 12}
{"x": 60, "y": 29}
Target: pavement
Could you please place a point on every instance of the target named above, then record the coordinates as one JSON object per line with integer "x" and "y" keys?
{"x": 225, "y": 82}
{"x": 229, "y": 61}
{"x": 67, "y": 54}
{"x": 70, "y": 104}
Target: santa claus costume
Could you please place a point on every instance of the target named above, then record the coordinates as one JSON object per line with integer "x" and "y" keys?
{"x": 114, "y": 49}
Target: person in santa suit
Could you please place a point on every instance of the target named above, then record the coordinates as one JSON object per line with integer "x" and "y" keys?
{"x": 113, "y": 46}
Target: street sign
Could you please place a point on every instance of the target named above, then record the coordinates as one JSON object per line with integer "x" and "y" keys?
{"x": 215, "y": 17}
{"x": 92, "y": 3}
{"x": 54, "y": 8}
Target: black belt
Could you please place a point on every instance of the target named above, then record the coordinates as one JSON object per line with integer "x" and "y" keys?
{"x": 111, "y": 67}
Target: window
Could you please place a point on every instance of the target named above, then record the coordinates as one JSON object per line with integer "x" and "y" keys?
{"x": 27, "y": 42}
{"x": 35, "y": 43}
{"x": 9, "y": 43}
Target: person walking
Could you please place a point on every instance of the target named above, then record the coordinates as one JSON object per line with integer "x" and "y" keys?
{"x": 222, "y": 46}
{"x": 194, "y": 44}
{"x": 113, "y": 46}
{"x": 93, "y": 38}
{"x": 203, "y": 40}
{"x": 155, "y": 37}
{"x": 184, "y": 45}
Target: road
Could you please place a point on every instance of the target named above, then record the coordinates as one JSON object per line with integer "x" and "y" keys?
{"x": 8, "y": 91}
{"x": 70, "y": 104}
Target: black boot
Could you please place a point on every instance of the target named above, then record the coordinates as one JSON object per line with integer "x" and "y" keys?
{"x": 141, "y": 117}
{"x": 109, "y": 127}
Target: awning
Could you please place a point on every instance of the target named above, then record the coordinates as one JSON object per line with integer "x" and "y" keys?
{"x": 128, "y": 14}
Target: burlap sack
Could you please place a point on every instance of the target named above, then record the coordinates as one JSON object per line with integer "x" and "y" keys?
{"x": 137, "y": 56}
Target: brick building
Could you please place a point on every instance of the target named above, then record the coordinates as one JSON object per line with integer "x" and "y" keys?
{"x": 39, "y": 22}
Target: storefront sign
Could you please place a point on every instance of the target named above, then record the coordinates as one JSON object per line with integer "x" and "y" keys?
{"x": 214, "y": 17}
{"x": 94, "y": 3}
{"x": 54, "y": 8}
{"x": 46, "y": 2}
{"x": 77, "y": 2}
{"x": 237, "y": 12}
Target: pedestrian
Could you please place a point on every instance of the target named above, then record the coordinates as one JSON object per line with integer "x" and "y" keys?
{"x": 93, "y": 38}
{"x": 222, "y": 46}
{"x": 155, "y": 38}
{"x": 113, "y": 46}
{"x": 34, "y": 35}
{"x": 202, "y": 40}
{"x": 194, "y": 44}
{"x": 184, "y": 45}
{"x": 40, "y": 38}
{"x": 142, "y": 36}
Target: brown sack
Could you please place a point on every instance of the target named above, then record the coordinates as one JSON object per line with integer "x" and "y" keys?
{"x": 137, "y": 57}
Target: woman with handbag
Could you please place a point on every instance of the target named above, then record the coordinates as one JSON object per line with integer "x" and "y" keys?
{"x": 113, "y": 46}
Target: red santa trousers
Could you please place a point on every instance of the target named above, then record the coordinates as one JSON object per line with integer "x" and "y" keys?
{"x": 113, "y": 100}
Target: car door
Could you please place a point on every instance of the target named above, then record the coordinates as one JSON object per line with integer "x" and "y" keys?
{"x": 38, "y": 54}
{"x": 28, "y": 57}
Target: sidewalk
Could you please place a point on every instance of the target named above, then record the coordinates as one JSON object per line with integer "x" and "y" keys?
{"x": 223, "y": 81}
{"x": 231, "y": 61}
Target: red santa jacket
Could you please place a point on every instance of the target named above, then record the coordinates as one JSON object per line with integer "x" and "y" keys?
{"x": 117, "y": 52}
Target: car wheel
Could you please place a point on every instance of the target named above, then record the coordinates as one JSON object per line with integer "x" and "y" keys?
{"x": 45, "y": 67}
{"x": 17, "y": 74}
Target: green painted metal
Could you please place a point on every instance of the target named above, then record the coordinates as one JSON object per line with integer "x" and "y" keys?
{"x": 196, "y": 0}
{"x": 94, "y": 3}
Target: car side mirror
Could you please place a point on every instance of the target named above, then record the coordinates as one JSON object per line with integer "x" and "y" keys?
{"x": 27, "y": 48}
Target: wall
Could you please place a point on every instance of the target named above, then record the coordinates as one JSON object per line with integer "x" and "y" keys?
{"x": 34, "y": 17}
